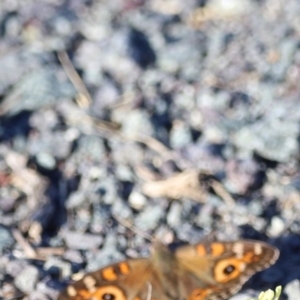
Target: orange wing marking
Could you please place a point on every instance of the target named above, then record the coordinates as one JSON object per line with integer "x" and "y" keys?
{"x": 199, "y": 294}
{"x": 124, "y": 268}
{"x": 200, "y": 249}
{"x": 109, "y": 274}
{"x": 217, "y": 249}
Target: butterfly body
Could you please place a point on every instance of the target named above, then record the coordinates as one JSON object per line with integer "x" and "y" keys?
{"x": 201, "y": 272}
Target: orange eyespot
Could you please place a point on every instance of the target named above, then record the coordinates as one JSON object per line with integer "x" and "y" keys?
{"x": 228, "y": 269}
{"x": 109, "y": 292}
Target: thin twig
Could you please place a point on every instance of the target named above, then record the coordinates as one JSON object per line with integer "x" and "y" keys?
{"x": 43, "y": 252}
{"x": 222, "y": 193}
{"x": 75, "y": 79}
{"x": 28, "y": 250}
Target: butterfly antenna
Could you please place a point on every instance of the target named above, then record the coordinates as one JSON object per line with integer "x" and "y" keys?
{"x": 133, "y": 228}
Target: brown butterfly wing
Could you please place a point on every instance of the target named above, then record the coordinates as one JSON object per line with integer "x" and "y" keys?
{"x": 120, "y": 281}
{"x": 218, "y": 270}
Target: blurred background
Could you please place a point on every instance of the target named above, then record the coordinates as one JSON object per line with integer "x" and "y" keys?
{"x": 180, "y": 117}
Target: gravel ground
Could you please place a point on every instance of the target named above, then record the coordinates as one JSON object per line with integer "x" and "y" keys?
{"x": 180, "y": 117}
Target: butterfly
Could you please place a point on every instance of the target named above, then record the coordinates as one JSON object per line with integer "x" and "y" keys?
{"x": 207, "y": 271}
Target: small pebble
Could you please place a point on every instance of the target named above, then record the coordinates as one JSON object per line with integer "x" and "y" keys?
{"x": 149, "y": 218}
{"x": 180, "y": 135}
{"x": 137, "y": 122}
{"x": 6, "y": 238}
{"x": 240, "y": 297}
{"x": 140, "y": 49}
{"x": 64, "y": 266}
{"x": 46, "y": 160}
{"x": 38, "y": 295}
{"x": 174, "y": 215}
{"x": 74, "y": 256}
{"x": 106, "y": 255}
{"x": 27, "y": 279}
{"x": 13, "y": 268}
{"x": 75, "y": 199}
{"x": 277, "y": 227}
{"x": 82, "y": 241}
{"x": 292, "y": 289}
{"x": 123, "y": 173}
{"x": 137, "y": 200}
